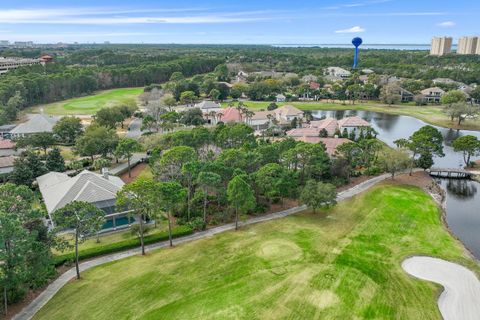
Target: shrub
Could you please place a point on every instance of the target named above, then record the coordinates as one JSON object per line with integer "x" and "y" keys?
{"x": 121, "y": 245}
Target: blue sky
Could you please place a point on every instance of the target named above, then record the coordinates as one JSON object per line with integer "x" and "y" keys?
{"x": 242, "y": 22}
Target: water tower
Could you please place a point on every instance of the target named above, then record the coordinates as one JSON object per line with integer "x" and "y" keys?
{"x": 356, "y": 42}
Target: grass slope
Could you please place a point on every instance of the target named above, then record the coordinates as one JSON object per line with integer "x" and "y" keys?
{"x": 430, "y": 114}
{"x": 89, "y": 104}
{"x": 339, "y": 264}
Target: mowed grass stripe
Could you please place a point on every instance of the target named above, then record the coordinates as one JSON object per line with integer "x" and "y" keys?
{"x": 89, "y": 105}
{"x": 343, "y": 263}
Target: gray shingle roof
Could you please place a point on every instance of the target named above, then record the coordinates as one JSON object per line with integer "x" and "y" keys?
{"x": 207, "y": 104}
{"x": 58, "y": 189}
{"x": 36, "y": 124}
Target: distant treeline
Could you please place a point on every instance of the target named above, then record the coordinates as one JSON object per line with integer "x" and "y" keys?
{"x": 57, "y": 81}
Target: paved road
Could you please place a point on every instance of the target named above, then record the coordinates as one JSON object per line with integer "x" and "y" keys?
{"x": 134, "y": 131}
{"x": 460, "y": 299}
{"x": 29, "y": 311}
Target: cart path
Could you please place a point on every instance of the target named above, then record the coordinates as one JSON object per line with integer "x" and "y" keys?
{"x": 29, "y": 311}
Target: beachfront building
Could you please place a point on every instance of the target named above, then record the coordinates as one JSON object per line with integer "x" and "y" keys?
{"x": 58, "y": 190}
{"x": 441, "y": 46}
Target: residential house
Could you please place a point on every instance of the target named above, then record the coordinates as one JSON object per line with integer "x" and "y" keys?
{"x": 280, "y": 98}
{"x": 242, "y": 76}
{"x": 337, "y": 73}
{"x": 37, "y": 123}
{"x": 314, "y": 85}
{"x": 207, "y": 105}
{"x": 6, "y": 165}
{"x": 58, "y": 190}
{"x": 329, "y": 124}
{"x": 7, "y": 148}
{"x": 261, "y": 120}
{"x": 6, "y": 129}
{"x": 331, "y": 144}
{"x": 406, "y": 95}
{"x": 352, "y": 124}
{"x": 288, "y": 113}
{"x": 230, "y": 115}
{"x": 432, "y": 95}
{"x": 303, "y": 132}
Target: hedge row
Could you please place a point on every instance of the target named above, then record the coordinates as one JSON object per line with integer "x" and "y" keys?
{"x": 121, "y": 245}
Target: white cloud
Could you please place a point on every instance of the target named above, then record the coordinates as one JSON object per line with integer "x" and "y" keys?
{"x": 356, "y": 29}
{"x": 447, "y": 24}
{"x": 105, "y": 16}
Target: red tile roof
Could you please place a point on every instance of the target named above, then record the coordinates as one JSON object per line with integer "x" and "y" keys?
{"x": 6, "y": 144}
{"x": 353, "y": 122}
{"x": 329, "y": 124}
{"x": 304, "y": 132}
{"x": 314, "y": 85}
{"x": 331, "y": 144}
{"x": 230, "y": 114}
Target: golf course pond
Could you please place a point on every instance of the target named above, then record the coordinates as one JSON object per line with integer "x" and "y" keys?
{"x": 463, "y": 199}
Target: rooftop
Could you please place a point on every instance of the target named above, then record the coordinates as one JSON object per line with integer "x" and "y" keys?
{"x": 6, "y": 162}
{"x": 6, "y": 144}
{"x": 58, "y": 189}
{"x": 329, "y": 124}
{"x": 36, "y": 124}
{"x": 207, "y": 104}
{"x": 288, "y": 110}
{"x": 331, "y": 144}
{"x": 353, "y": 122}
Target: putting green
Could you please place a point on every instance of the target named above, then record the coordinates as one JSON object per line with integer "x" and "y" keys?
{"x": 89, "y": 105}
{"x": 344, "y": 263}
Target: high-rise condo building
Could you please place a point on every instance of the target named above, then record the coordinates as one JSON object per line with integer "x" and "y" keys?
{"x": 467, "y": 45}
{"x": 441, "y": 46}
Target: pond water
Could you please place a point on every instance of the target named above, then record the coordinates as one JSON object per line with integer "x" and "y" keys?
{"x": 463, "y": 199}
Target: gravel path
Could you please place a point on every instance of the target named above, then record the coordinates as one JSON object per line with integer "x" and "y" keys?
{"x": 29, "y": 311}
{"x": 461, "y": 296}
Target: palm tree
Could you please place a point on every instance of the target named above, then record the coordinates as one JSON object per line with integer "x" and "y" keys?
{"x": 248, "y": 115}
{"x": 213, "y": 114}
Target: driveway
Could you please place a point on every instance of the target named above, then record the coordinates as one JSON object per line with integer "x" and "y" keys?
{"x": 134, "y": 129}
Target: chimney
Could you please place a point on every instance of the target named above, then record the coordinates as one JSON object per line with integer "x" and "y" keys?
{"x": 105, "y": 173}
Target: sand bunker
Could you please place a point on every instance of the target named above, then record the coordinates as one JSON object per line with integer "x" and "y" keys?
{"x": 461, "y": 296}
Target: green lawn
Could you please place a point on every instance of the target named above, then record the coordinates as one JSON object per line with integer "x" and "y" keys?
{"x": 339, "y": 264}
{"x": 89, "y": 105}
{"x": 430, "y": 114}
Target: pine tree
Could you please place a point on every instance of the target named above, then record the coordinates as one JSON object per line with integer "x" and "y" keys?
{"x": 55, "y": 161}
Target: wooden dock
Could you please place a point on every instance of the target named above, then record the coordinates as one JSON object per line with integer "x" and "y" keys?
{"x": 450, "y": 173}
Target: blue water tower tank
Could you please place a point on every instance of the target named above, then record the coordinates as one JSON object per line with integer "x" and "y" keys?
{"x": 356, "y": 42}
